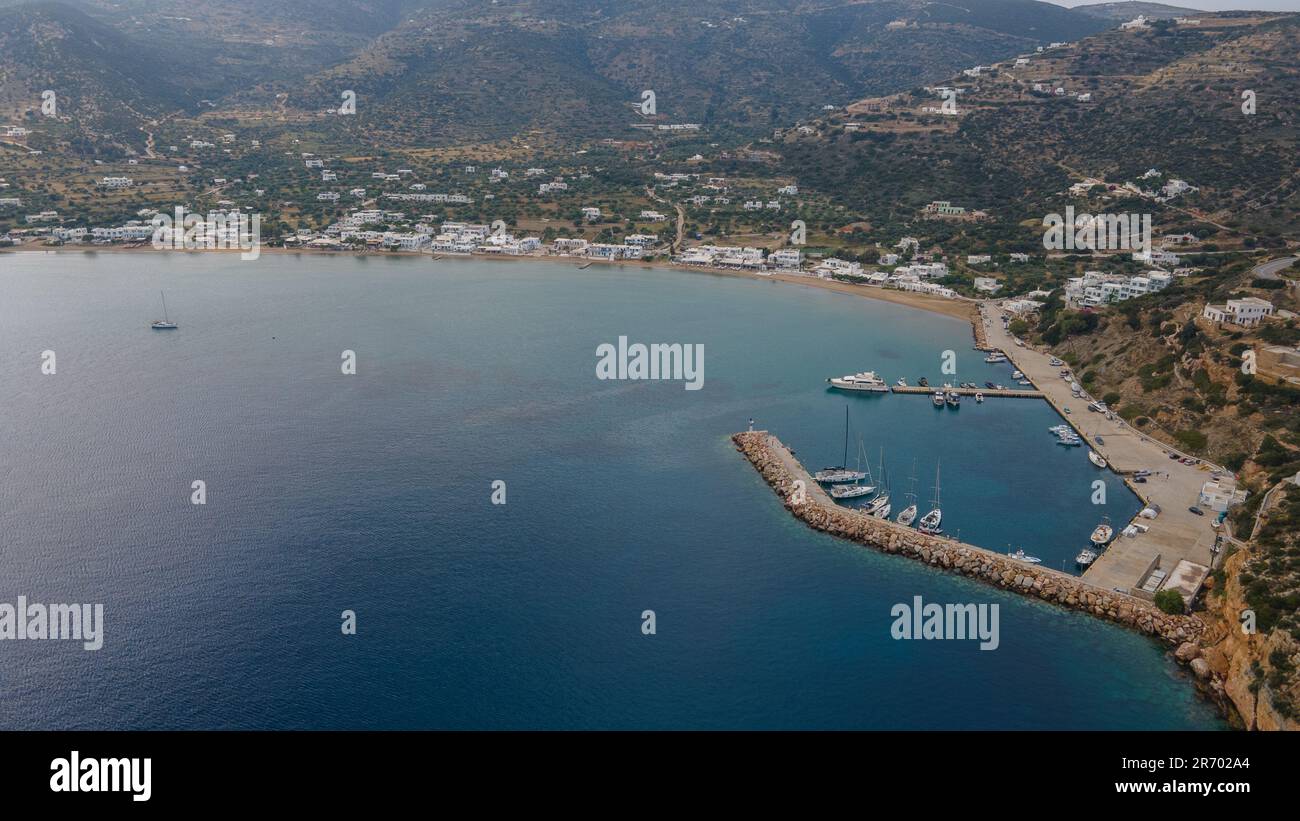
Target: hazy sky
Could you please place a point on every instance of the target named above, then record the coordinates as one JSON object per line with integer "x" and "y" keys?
{"x": 1208, "y": 5}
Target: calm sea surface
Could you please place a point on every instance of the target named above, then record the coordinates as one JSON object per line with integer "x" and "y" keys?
{"x": 372, "y": 493}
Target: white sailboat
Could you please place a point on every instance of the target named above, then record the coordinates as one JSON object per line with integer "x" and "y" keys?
{"x": 879, "y": 506}
{"x": 1096, "y": 459}
{"x": 164, "y": 324}
{"x": 909, "y": 513}
{"x": 932, "y": 522}
{"x": 840, "y": 474}
{"x": 857, "y": 489}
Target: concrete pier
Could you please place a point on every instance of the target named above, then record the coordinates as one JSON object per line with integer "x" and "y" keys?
{"x": 807, "y": 501}
{"x": 1021, "y": 393}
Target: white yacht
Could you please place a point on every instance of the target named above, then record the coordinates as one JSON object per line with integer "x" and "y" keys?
{"x": 938, "y": 399}
{"x": 1095, "y": 459}
{"x": 865, "y": 381}
{"x": 902, "y": 382}
{"x": 1085, "y": 557}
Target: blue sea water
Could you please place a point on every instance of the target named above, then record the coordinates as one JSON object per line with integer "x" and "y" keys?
{"x": 372, "y": 493}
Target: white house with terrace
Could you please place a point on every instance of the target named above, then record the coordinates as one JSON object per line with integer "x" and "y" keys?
{"x": 1246, "y": 313}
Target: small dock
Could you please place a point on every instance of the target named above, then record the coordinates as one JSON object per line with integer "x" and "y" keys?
{"x": 1021, "y": 393}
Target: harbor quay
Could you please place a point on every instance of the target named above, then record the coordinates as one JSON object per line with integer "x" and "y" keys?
{"x": 1174, "y": 550}
{"x": 807, "y": 501}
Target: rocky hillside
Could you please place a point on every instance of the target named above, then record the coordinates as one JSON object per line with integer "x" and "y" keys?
{"x": 1110, "y": 107}
{"x": 461, "y": 70}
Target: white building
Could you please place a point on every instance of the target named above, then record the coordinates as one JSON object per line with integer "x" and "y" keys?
{"x": 786, "y": 258}
{"x": 116, "y": 182}
{"x": 1246, "y": 313}
{"x": 987, "y": 285}
{"x": 1218, "y": 496}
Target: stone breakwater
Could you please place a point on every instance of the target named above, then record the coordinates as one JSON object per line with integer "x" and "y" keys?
{"x": 778, "y": 468}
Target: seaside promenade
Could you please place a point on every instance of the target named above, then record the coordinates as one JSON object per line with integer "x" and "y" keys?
{"x": 1177, "y": 533}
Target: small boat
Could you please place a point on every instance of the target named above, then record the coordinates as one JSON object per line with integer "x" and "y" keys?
{"x": 989, "y": 385}
{"x": 979, "y": 397}
{"x": 995, "y": 357}
{"x": 1102, "y": 533}
{"x": 1017, "y": 375}
{"x": 932, "y": 522}
{"x": 1085, "y": 558}
{"x": 923, "y": 382}
{"x": 1021, "y": 556}
{"x": 902, "y": 382}
{"x": 1095, "y": 459}
{"x": 881, "y": 512}
{"x": 938, "y": 399}
{"x": 864, "y": 381}
{"x": 954, "y": 399}
{"x": 164, "y": 324}
{"x": 1025, "y": 382}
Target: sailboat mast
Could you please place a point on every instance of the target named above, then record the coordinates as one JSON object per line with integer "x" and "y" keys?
{"x": 845, "y": 463}
{"x": 164, "y": 299}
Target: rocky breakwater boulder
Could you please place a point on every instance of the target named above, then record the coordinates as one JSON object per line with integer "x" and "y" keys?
{"x": 976, "y": 562}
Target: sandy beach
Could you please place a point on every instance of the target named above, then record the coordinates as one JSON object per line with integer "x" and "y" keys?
{"x": 958, "y": 308}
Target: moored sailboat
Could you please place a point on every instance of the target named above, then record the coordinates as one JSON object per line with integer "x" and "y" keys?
{"x": 840, "y": 473}
{"x": 932, "y": 522}
{"x": 909, "y": 513}
{"x": 164, "y": 324}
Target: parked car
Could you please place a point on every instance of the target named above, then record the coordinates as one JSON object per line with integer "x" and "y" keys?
{"x": 1196, "y": 510}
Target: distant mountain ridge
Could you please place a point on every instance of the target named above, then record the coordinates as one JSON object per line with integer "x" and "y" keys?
{"x": 439, "y": 71}
{"x": 450, "y": 71}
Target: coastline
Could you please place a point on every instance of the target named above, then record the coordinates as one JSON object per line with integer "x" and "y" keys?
{"x": 956, "y": 308}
